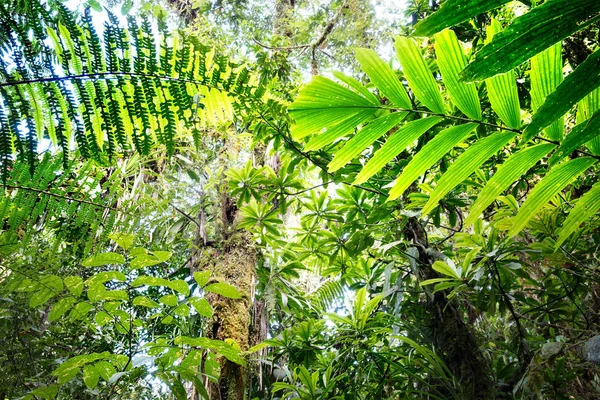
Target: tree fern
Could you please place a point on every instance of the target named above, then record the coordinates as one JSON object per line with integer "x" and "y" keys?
{"x": 106, "y": 92}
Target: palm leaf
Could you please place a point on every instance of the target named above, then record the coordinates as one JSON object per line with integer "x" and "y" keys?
{"x": 431, "y": 153}
{"x": 511, "y": 170}
{"x": 419, "y": 76}
{"x": 465, "y": 165}
{"x": 546, "y": 74}
{"x": 585, "y": 208}
{"x": 383, "y": 77}
{"x": 395, "y": 145}
{"x": 530, "y": 34}
{"x": 554, "y": 181}
{"x": 451, "y": 60}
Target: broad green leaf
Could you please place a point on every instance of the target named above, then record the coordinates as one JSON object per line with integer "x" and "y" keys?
{"x": 74, "y": 284}
{"x": 150, "y": 281}
{"x": 105, "y": 369}
{"x": 169, "y": 300}
{"x": 383, "y": 77}
{"x": 356, "y": 85}
{"x": 80, "y": 311}
{"x": 453, "y": 12}
{"x": 546, "y": 74}
{"x": 345, "y": 127}
{"x": 585, "y": 110}
{"x": 106, "y": 276}
{"x": 502, "y": 90}
{"x": 444, "y": 269}
{"x": 574, "y": 88}
{"x": 144, "y": 260}
{"x": 144, "y": 301}
{"x": 512, "y": 169}
{"x": 225, "y": 349}
{"x": 183, "y": 310}
{"x": 465, "y": 165}
{"x": 90, "y": 376}
{"x": 224, "y": 289}
{"x": 436, "y": 280}
{"x": 419, "y": 76}
{"x": 394, "y": 145}
{"x": 60, "y": 308}
{"x": 124, "y": 240}
{"x": 94, "y": 5}
{"x": 431, "y": 153}
{"x": 202, "y": 277}
{"x": 554, "y": 181}
{"x": 104, "y": 259}
{"x": 46, "y": 392}
{"x": 180, "y": 286}
{"x": 584, "y": 209}
{"x": 336, "y": 105}
{"x": 364, "y": 138}
{"x": 202, "y": 307}
{"x": 451, "y": 60}
{"x": 530, "y": 34}
{"x": 48, "y": 287}
{"x": 102, "y": 318}
{"x": 579, "y": 135}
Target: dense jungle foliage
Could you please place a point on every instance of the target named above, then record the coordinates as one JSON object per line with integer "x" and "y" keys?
{"x": 299, "y": 199}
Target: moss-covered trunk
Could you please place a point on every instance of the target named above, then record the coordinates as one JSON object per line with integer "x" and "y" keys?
{"x": 231, "y": 259}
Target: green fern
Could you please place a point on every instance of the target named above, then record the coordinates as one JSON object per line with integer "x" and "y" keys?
{"x": 126, "y": 87}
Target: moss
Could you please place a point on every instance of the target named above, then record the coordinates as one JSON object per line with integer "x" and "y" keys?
{"x": 234, "y": 263}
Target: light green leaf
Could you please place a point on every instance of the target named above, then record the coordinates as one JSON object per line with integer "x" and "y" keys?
{"x": 80, "y": 311}
{"x": 104, "y": 259}
{"x": 60, "y": 308}
{"x": 102, "y": 318}
{"x": 451, "y": 61}
{"x": 574, "y": 88}
{"x": 584, "y": 209}
{"x": 453, "y": 12}
{"x": 90, "y": 376}
{"x": 338, "y": 130}
{"x": 46, "y": 392}
{"x": 223, "y": 289}
{"x": 383, "y": 77}
{"x": 546, "y": 74}
{"x": 502, "y": 91}
{"x": 554, "y": 181}
{"x": 106, "y": 276}
{"x": 530, "y": 34}
{"x": 435, "y": 280}
{"x": 202, "y": 277}
{"x": 124, "y": 240}
{"x": 105, "y": 369}
{"x": 580, "y": 134}
{"x": 230, "y": 352}
{"x": 431, "y": 153}
{"x": 145, "y": 301}
{"x": 94, "y": 5}
{"x": 465, "y": 165}
{"x": 445, "y": 269}
{"x": 419, "y": 76}
{"x": 512, "y": 169}
{"x": 364, "y": 138}
{"x": 202, "y": 307}
{"x": 169, "y": 300}
{"x": 183, "y": 310}
{"x": 337, "y": 105}
{"x": 180, "y": 286}
{"x": 48, "y": 287}
{"x": 394, "y": 145}
{"x": 356, "y": 85}
{"x": 74, "y": 284}
{"x": 144, "y": 260}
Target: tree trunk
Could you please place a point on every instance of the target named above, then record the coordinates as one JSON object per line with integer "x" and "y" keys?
{"x": 231, "y": 259}
{"x": 448, "y": 332}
